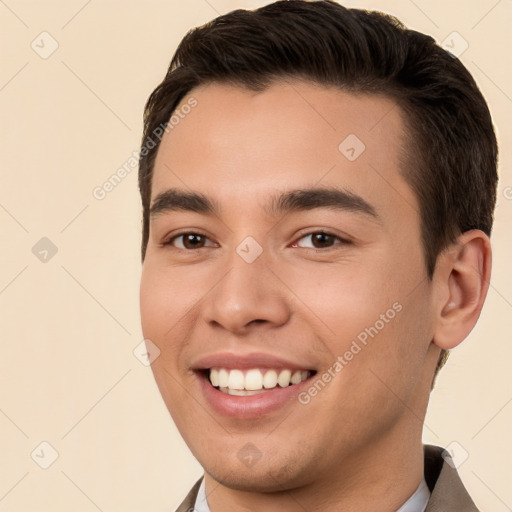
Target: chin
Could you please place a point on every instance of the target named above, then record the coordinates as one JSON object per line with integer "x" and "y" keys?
{"x": 264, "y": 480}
{"x": 269, "y": 474}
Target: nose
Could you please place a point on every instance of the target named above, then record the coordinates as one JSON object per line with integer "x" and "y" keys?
{"x": 249, "y": 296}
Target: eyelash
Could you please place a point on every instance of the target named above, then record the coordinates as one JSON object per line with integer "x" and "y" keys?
{"x": 342, "y": 241}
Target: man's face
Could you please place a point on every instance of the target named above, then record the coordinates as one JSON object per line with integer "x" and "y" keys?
{"x": 258, "y": 289}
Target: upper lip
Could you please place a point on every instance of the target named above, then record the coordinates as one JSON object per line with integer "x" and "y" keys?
{"x": 230, "y": 360}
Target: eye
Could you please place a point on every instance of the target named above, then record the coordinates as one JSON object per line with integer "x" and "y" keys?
{"x": 189, "y": 241}
{"x": 319, "y": 240}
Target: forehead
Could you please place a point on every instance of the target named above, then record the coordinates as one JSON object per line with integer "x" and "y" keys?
{"x": 239, "y": 146}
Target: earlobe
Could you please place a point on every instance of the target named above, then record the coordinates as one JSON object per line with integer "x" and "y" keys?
{"x": 463, "y": 275}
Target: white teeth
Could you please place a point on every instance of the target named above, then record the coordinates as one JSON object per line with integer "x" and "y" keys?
{"x": 254, "y": 381}
{"x": 223, "y": 378}
{"x": 284, "y": 378}
{"x": 270, "y": 379}
{"x": 296, "y": 377}
{"x": 236, "y": 380}
{"x": 214, "y": 377}
{"x": 240, "y": 392}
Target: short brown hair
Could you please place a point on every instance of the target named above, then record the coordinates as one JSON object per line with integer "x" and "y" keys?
{"x": 452, "y": 158}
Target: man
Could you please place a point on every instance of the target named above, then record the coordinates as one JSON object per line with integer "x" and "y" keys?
{"x": 316, "y": 222}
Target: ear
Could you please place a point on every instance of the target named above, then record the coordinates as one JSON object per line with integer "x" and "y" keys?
{"x": 462, "y": 280}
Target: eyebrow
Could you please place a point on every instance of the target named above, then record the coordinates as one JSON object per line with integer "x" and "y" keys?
{"x": 174, "y": 199}
{"x": 312, "y": 198}
{"x": 290, "y": 201}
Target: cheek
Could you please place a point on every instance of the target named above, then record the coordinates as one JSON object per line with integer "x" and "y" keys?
{"x": 344, "y": 298}
{"x": 393, "y": 338}
{"x": 381, "y": 304}
{"x": 171, "y": 299}
{"x": 166, "y": 293}
{"x": 154, "y": 302}
{"x": 162, "y": 304}
{"x": 163, "y": 308}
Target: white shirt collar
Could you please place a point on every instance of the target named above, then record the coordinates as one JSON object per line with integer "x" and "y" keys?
{"x": 416, "y": 503}
{"x": 201, "y": 505}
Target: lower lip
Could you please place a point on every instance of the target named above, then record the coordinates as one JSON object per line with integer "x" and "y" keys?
{"x": 253, "y": 406}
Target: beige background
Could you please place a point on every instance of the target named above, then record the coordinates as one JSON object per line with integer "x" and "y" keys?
{"x": 69, "y": 325}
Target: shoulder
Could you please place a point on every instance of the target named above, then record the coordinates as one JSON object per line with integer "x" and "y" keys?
{"x": 446, "y": 488}
{"x": 188, "y": 503}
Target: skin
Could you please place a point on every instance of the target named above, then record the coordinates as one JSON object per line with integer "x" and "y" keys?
{"x": 357, "y": 444}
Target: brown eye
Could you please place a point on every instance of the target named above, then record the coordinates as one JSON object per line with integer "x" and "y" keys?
{"x": 319, "y": 240}
{"x": 193, "y": 241}
{"x": 189, "y": 241}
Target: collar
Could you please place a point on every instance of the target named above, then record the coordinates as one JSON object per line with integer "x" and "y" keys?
{"x": 416, "y": 503}
{"x": 201, "y": 505}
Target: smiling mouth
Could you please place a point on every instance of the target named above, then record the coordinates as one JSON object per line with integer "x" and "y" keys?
{"x": 254, "y": 381}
